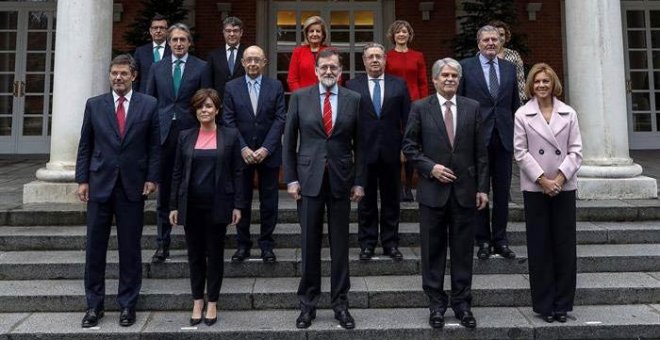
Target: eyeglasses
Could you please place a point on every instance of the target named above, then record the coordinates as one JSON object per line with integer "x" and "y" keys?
{"x": 158, "y": 28}
{"x": 230, "y": 31}
{"x": 324, "y": 68}
{"x": 256, "y": 60}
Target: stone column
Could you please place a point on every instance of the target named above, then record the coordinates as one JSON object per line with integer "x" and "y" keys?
{"x": 596, "y": 78}
{"x": 83, "y": 50}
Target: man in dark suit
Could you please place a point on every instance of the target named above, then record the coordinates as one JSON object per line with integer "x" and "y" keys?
{"x": 492, "y": 82}
{"x": 224, "y": 61}
{"x": 255, "y": 105}
{"x": 383, "y": 114}
{"x": 152, "y": 52}
{"x": 173, "y": 81}
{"x": 323, "y": 168}
{"x": 116, "y": 168}
{"x": 443, "y": 140}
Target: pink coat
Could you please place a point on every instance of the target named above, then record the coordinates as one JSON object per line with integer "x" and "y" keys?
{"x": 545, "y": 149}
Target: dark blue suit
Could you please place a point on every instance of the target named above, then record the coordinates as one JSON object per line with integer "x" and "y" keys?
{"x": 116, "y": 170}
{"x": 497, "y": 117}
{"x": 382, "y": 148}
{"x": 170, "y": 105}
{"x": 144, "y": 58}
{"x": 220, "y": 74}
{"x": 263, "y": 129}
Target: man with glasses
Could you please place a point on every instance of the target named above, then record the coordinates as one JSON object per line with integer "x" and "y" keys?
{"x": 225, "y": 61}
{"x": 323, "y": 169}
{"x": 254, "y": 104}
{"x": 152, "y": 52}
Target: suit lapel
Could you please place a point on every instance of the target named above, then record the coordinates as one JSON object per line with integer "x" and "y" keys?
{"x": 189, "y": 68}
{"x": 111, "y": 114}
{"x": 220, "y": 150}
{"x": 166, "y": 65}
{"x": 134, "y": 107}
{"x": 460, "y": 120}
{"x": 314, "y": 96}
{"x": 478, "y": 73}
{"x": 245, "y": 96}
{"x": 263, "y": 88}
{"x": 387, "y": 94}
{"x": 538, "y": 124}
{"x": 363, "y": 83}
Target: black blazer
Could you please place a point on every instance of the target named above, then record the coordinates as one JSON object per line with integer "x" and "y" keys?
{"x": 426, "y": 143}
{"x": 103, "y": 156}
{"x": 228, "y": 174}
{"x": 382, "y": 135}
{"x": 307, "y": 149}
{"x": 144, "y": 58}
{"x": 266, "y": 127}
{"x": 220, "y": 75}
{"x": 497, "y": 112}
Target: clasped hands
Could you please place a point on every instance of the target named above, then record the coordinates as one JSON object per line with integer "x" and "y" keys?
{"x": 254, "y": 157}
{"x": 552, "y": 187}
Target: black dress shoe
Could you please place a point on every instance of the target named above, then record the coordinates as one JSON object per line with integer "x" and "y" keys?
{"x": 268, "y": 256}
{"x": 505, "y": 252}
{"x": 437, "y": 319}
{"x": 305, "y": 318}
{"x": 548, "y": 318}
{"x": 161, "y": 254}
{"x": 393, "y": 253}
{"x": 561, "y": 317}
{"x": 345, "y": 319}
{"x": 127, "y": 317}
{"x": 484, "y": 251}
{"x": 406, "y": 195}
{"x": 240, "y": 255}
{"x": 91, "y": 318}
{"x": 366, "y": 254}
{"x": 467, "y": 319}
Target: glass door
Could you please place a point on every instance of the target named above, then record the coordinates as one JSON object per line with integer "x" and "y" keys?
{"x": 27, "y": 44}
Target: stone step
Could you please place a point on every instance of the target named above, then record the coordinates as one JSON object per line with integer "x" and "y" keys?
{"x": 287, "y": 235}
{"x": 510, "y": 290}
{"x": 585, "y": 322}
{"x": 66, "y": 264}
{"x": 74, "y": 214}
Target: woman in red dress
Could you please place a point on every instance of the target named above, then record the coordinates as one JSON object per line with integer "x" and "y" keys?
{"x": 410, "y": 65}
{"x": 303, "y": 60}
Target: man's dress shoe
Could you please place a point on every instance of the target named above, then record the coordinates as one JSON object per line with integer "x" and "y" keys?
{"x": 127, "y": 317}
{"x": 437, "y": 319}
{"x": 393, "y": 253}
{"x": 484, "y": 251}
{"x": 91, "y": 318}
{"x": 366, "y": 254}
{"x": 240, "y": 255}
{"x": 467, "y": 319}
{"x": 345, "y": 319}
{"x": 268, "y": 256}
{"x": 305, "y": 319}
{"x": 161, "y": 254}
{"x": 505, "y": 252}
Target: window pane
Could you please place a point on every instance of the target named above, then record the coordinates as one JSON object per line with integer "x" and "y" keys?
{"x": 286, "y": 19}
{"x": 6, "y": 83}
{"x": 38, "y": 20}
{"x": 642, "y": 122}
{"x": 34, "y": 105}
{"x": 339, "y": 20}
{"x": 5, "y": 126}
{"x": 286, "y": 38}
{"x": 32, "y": 126}
{"x": 636, "y": 39}
{"x": 34, "y": 83}
{"x": 655, "y": 19}
{"x": 340, "y": 37}
{"x": 8, "y": 20}
{"x": 639, "y": 80}
{"x": 306, "y": 14}
{"x": 283, "y": 60}
{"x": 6, "y": 103}
{"x": 7, "y": 62}
{"x": 282, "y": 78}
{"x": 345, "y": 61}
{"x": 37, "y": 41}
{"x": 638, "y": 60}
{"x": 635, "y": 19}
{"x": 364, "y": 19}
{"x": 7, "y": 41}
{"x": 36, "y": 62}
{"x": 361, "y": 37}
{"x": 640, "y": 101}
{"x": 655, "y": 39}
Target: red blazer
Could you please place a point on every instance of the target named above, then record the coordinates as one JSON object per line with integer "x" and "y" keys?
{"x": 301, "y": 69}
{"x": 410, "y": 66}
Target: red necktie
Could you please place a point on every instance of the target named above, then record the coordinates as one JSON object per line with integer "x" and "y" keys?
{"x": 121, "y": 116}
{"x": 449, "y": 123}
{"x": 327, "y": 114}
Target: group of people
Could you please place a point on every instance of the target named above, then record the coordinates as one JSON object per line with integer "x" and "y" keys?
{"x": 199, "y": 131}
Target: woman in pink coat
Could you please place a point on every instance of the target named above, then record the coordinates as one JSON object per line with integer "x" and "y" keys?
{"x": 548, "y": 149}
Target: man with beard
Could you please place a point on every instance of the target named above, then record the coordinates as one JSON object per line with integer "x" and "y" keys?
{"x": 324, "y": 169}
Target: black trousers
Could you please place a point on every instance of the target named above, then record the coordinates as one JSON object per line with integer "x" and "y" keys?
{"x": 268, "y": 202}
{"x": 129, "y": 216}
{"x": 206, "y": 245}
{"x": 385, "y": 178}
{"x": 310, "y": 213}
{"x": 453, "y": 225}
{"x": 551, "y": 250}
{"x": 167, "y": 155}
{"x": 492, "y": 229}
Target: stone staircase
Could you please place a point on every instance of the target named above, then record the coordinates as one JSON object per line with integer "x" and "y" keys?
{"x": 618, "y": 284}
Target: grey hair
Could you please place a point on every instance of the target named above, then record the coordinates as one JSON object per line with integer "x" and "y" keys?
{"x": 440, "y": 63}
{"x": 373, "y": 45}
{"x": 179, "y": 26}
{"x": 487, "y": 28}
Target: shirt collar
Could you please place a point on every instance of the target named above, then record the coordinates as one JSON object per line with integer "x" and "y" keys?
{"x": 258, "y": 79}
{"x": 227, "y": 47}
{"x": 154, "y": 44}
{"x": 381, "y": 77}
{"x": 442, "y": 100}
{"x": 484, "y": 60}
{"x": 128, "y": 95}
{"x": 333, "y": 89}
{"x": 184, "y": 58}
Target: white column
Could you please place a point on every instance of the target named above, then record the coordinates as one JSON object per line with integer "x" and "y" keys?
{"x": 83, "y": 50}
{"x": 596, "y": 78}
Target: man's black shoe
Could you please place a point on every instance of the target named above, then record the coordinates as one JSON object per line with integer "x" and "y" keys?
{"x": 467, "y": 319}
{"x": 345, "y": 319}
{"x": 437, "y": 319}
{"x": 505, "y": 252}
{"x": 91, "y": 318}
{"x": 366, "y": 254}
{"x": 484, "y": 251}
{"x": 305, "y": 319}
{"x": 127, "y": 317}
{"x": 268, "y": 256}
{"x": 161, "y": 254}
{"x": 393, "y": 253}
{"x": 240, "y": 255}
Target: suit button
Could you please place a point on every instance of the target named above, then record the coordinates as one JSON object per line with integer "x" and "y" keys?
{"x": 557, "y": 152}
{"x": 541, "y": 151}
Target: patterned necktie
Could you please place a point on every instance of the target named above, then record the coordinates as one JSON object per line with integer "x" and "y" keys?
{"x": 232, "y": 60}
{"x": 121, "y": 115}
{"x": 176, "y": 77}
{"x": 327, "y": 114}
{"x": 493, "y": 84}
{"x": 449, "y": 123}
{"x": 376, "y": 96}
{"x": 157, "y": 53}
{"x": 254, "y": 95}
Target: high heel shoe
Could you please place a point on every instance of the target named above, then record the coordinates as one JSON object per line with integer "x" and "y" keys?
{"x": 210, "y": 322}
{"x": 194, "y": 322}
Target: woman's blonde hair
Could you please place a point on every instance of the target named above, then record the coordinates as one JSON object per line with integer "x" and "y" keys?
{"x": 536, "y": 69}
{"x": 314, "y": 20}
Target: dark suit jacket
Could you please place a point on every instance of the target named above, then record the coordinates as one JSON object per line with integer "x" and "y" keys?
{"x": 220, "y": 75}
{"x": 496, "y": 112}
{"x": 426, "y": 143}
{"x": 266, "y": 127}
{"x": 382, "y": 135}
{"x": 103, "y": 156}
{"x": 228, "y": 174}
{"x": 306, "y": 163}
{"x": 160, "y": 85}
{"x": 144, "y": 58}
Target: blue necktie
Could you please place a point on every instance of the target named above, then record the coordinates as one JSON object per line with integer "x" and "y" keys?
{"x": 493, "y": 85}
{"x": 376, "y": 96}
{"x": 232, "y": 60}
{"x": 157, "y": 53}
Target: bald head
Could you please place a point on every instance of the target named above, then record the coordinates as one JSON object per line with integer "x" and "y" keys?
{"x": 254, "y": 61}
